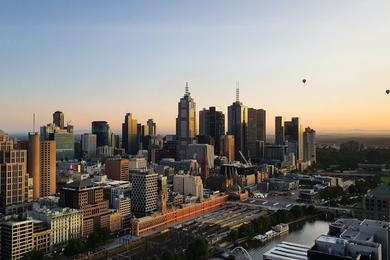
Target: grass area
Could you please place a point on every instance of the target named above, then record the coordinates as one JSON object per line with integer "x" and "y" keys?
{"x": 385, "y": 179}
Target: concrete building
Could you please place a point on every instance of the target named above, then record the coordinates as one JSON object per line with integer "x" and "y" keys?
{"x": 130, "y": 135}
{"x": 88, "y": 198}
{"x": 64, "y": 223}
{"x": 48, "y": 168}
{"x": 18, "y": 235}
{"x": 144, "y": 192}
{"x": 152, "y": 127}
{"x": 227, "y": 147}
{"x": 188, "y": 185}
{"x": 256, "y": 129}
{"x": 14, "y": 179}
{"x": 328, "y": 247}
{"x": 137, "y": 163}
{"x": 117, "y": 169}
{"x": 376, "y": 203}
{"x": 104, "y": 151}
{"x": 309, "y": 145}
{"x": 162, "y": 189}
{"x": 204, "y": 154}
{"x": 275, "y": 152}
{"x": 88, "y": 146}
{"x": 41, "y": 164}
{"x": 237, "y": 126}
{"x": 186, "y": 120}
{"x": 279, "y": 131}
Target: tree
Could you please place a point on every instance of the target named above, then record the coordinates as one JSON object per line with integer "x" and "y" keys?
{"x": 297, "y": 211}
{"x": 75, "y": 246}
{"x": 34, "y": 255}
{"x": 167, "y": 255}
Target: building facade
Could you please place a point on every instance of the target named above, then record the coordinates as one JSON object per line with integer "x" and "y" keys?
{"x": 130, "y": 140}
{"x": 186, "y": 120}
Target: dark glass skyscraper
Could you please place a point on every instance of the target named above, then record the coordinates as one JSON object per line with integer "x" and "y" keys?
{"x": 212, "y": 123}
{"x": 103, "y": 133}
{"x": 58, "y": 119}
{"x": 237, "y": 126}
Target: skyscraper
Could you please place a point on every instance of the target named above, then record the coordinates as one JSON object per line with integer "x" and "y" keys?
{"x": 212, "y": 123}
{"x": 88, "y": 146}
{"x": 294, "y": 137}
{"x": 227, "y": 147}
{"x": 103, "y": 133}
{"x": 256, "y": 129}
{"x": 130, "y": 140}
{"x": 64, "y": 139}
{"x": 144, "y": 193}
{"x": 237, "y": 126}
{"x": 186, "y": 119}
{"x": 279, "y": 131}
{"x": 152, "y": 127}
{"x": 34, "y": 163}
{"x": 58, "y": 119}
{"x": 14, "y": 178}
{"x": 309, "y": 145}
{"x": 48, "y": 168}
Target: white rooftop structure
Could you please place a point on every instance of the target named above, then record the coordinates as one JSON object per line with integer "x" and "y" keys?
{"x": 287, "y": 251}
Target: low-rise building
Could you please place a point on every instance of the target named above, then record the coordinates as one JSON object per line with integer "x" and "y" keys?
{"x": 65, "y": 223}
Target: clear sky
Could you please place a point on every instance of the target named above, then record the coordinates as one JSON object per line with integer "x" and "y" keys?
{"x": 96, "y": 60}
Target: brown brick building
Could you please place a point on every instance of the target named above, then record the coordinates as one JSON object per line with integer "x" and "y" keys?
{"x": 88, "y": 197}
{"x": 117, "y": 169}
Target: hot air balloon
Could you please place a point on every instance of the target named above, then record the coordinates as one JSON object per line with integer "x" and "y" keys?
{"x": 304, "y": 81}
{"x": 388, "y": 92}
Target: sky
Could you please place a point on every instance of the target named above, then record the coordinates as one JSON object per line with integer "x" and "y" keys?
{"x": 97, "y": 60}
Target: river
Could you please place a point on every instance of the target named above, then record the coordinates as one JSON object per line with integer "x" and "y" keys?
{"x": 304, "y": 234}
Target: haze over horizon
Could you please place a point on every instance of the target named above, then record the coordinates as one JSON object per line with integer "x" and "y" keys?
{"x": 95, "y": 60}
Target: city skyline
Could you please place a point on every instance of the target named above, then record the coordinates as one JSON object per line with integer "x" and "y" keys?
{"x": 104, "y": 66}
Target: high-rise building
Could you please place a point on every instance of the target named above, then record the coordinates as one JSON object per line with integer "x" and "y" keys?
{"x": 152, "y": 127}
{"x": 227, "y": 147}
{"x": 256, "y": 129}
{"x": 17, "y": 238}
{"x": 186, "y": 119}
{"x": 162, "y": 189}
{"x": 117, "y": 169}
{"x": 48, "y": 168}
{"x": 144, "y": 192}
{"x": 87, "y": 197}
{"x": 130, "y": 135}
{"x": 103, "y": 132}
{"x": 14, "y": 193}
{"x": 204, "y": 155}
{"x": 64, "y": 141}
{"x": 88, "y": 146}
{"x": 309, "y": 145}
{"x": 237, "y": 126}
{"x": 58, "y": 119}
{"x": 212, "y": 123}
{"x": 34, "y": 163}
{"x": 294, "y": 137}
{"x": 279, "y": 131}
{"x": 41, "y": 164}
{"x": 188, "y": 185}
{"x": 376, "y": 203}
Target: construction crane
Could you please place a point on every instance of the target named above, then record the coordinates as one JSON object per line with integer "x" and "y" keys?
{"x": 245, "y": 160}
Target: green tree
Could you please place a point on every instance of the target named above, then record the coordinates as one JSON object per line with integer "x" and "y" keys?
{"x": 297, "y": 211}
{"x": 74, "y": 247}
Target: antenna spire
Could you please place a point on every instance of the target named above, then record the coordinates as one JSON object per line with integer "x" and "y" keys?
{"x": 187, "y": 90}
{"x": 237, "y": 91}
{"x": 33, "y": 122}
